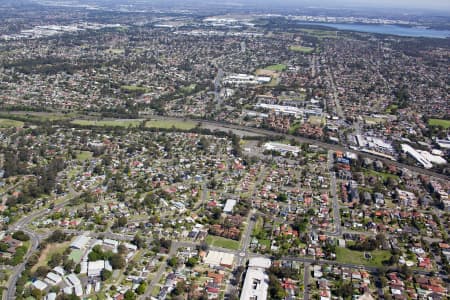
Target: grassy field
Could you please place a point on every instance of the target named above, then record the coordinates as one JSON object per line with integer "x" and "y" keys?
{"x": 109, "y": 123}
{"x": 189, "y": 88}
{"x": 314, "y": 120}
{"x": 84, "y": 155}
{"x": 48, "y": 252}
{"x": 439, "y": 122}
{"x": 384, "y": 176}
{"x": 133, "y": 89}
{"x": 7, "y": 123}
{"x": 37, "y": 116}
{"x": 344, "y": 255}
{"x": 167, "y": 124}
{"x": 320, "y": 33}
{"x": 76, "y": 255}
{"x": 305, "y": 50}
{"x": 221, "y": 242}
{"x": 277, "y": 68}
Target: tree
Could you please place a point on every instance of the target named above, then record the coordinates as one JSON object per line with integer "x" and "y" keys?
{"x": 122, "y": 249}
{"x": 77, "y": 269}
{"x": 42, "y": 271}
{"x": 55, "y": 260}
{"x": 276, "y": 291}
{"x": 117, "y": 261}
{"x": 105, "y": 274}
{"x": 140, "y": 290}
{"x": 191, "y": 262}
{"x": 130, "y": 295}
{"x": 122, "y": 221}
{"x": 21, "y": 236}
{"x": 173, "y": 261}
{"x": 139, "y": 241}
{"x": 57, "y": 236}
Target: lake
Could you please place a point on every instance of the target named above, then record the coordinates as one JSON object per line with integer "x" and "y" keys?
{"x": 387, "y": 29}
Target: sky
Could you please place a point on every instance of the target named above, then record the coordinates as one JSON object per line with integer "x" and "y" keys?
{"x": 406, "y": 4}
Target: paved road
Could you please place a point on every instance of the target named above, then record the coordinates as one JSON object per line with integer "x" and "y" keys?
{"x": 322, "y": 144}
{"x": 306, "y": 282}
{"x": 35, "y": 240}
{"x": 334, "y": 196}
{"x": 217, "y": 87}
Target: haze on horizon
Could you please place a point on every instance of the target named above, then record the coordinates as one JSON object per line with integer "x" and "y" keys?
{"x": 443, "y": 5}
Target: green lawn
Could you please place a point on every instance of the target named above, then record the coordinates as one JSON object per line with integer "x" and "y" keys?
{"x": 167, "y": 124}
{"x": 76, "y": 255}
{"x": 344, "y": 255}
{"x": 315, "y": 120}
{"x": 384, "y": 176}
{"x": 133, "y": 89}
{"x": 109, "y": 123}
{"x": 277, "y": 68}
{"x": 6, "y": 123}
{"x": 320, "y": 33}
{"x": 439, "y": 122}
{"x": 29, "y": 116}
{"x": 221, "y": 242}
{"x": 305, "y": 50}
{"x": 189, "y": 88}
{"x": 84, "y": 155}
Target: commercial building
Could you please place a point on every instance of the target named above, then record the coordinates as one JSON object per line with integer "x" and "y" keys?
{"x": 80, "y": 242}
{"x": 256, "y": 282}
{"x": 216, "y": 258}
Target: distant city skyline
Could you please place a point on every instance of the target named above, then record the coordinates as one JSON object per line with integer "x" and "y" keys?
{"x": 406, "y": 4}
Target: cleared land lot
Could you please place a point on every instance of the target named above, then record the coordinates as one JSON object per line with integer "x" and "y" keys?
{"x": 48, "y": 252}
{"x": 302, "y": 49}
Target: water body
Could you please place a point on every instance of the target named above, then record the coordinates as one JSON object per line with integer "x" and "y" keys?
{"x": 388, "y": 29}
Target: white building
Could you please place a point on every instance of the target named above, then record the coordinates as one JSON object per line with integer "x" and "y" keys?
{"x": 216, "y": 258}
{"x": 229, "y": 205}
{"x": 80, "y": 242}
{"x": 94, "y": 268}
{"x": 53, "y": 279}
{"x": 40, "y": 285}
{"x": 256, "y": 282}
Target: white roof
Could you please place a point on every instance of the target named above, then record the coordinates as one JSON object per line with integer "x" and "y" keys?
{"x": 54, "y": 277}
{"x": 229, "y": 205}
{"x": 130, "y": 246}
{"x": 95, "y": 267}
{"x": 217, "y": 258}
{"x": 80, "y": 242}
{"x": 259, "y": 262}
{"x": 88, "y": 288}
{"x": 51, "y": 296}
{"x": 40, "y": 285}
{"x": 110, "y": 242}
{"x": 73, "y": 279}
{"x": 68, "y": 290}
{"x": 256, "y": 284}
{"x": 59, "y": 270}
{"x": 78, "y": 290}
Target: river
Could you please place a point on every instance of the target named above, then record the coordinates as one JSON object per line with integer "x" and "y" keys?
{"x": 388, "y": 29}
